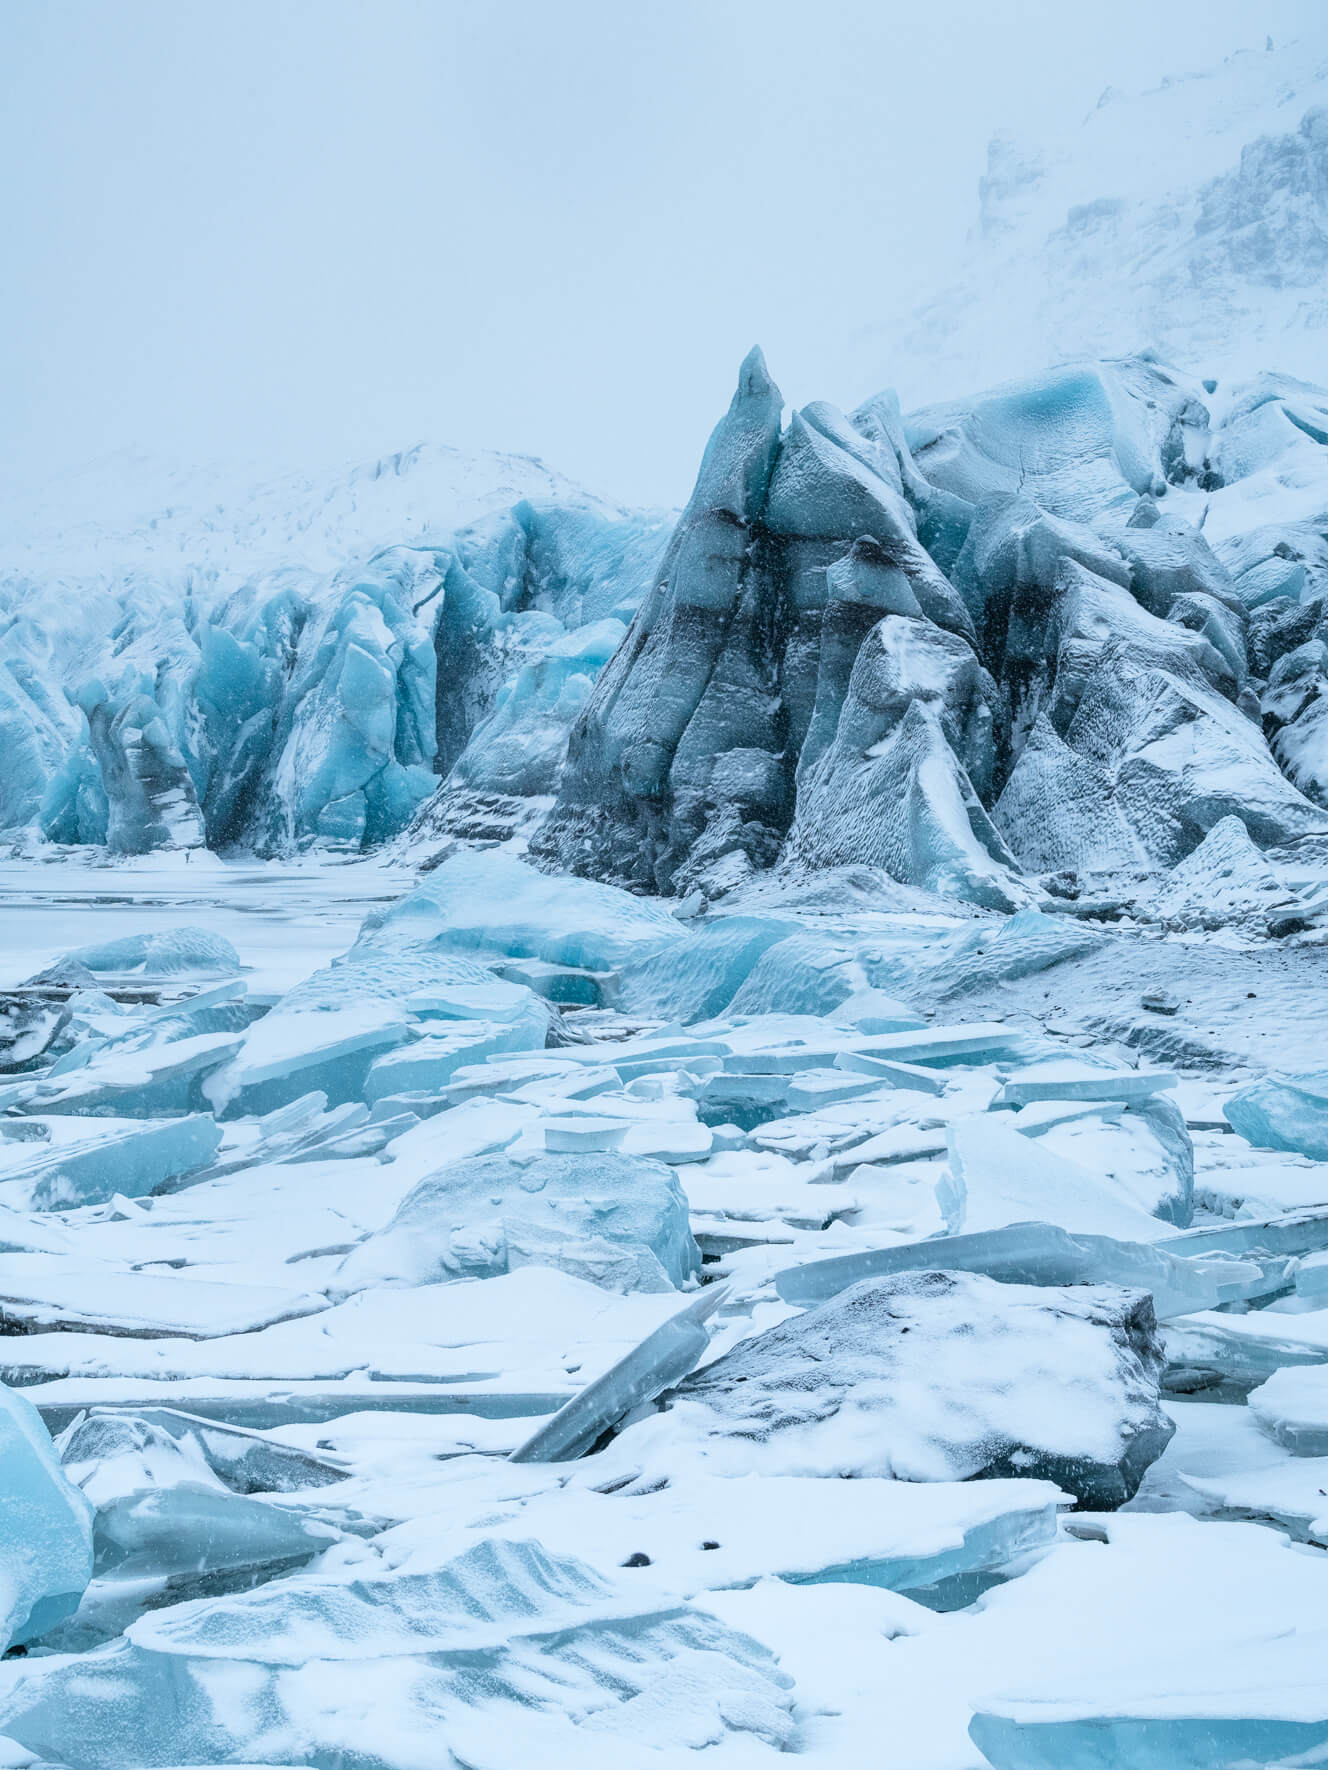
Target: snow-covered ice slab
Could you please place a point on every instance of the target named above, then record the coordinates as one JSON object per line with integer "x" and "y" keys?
{"x": 617, "y": 1219}
{"x": 260, "y": 1404}
{"x": 1221, "y": 1465}
{"x": 147, "y": 1081}
{"x": 705, "y": 1532}
{"x": 1244, "y": 1350}
{"x": 39, "y": 1292}
{"x": 326, "y": 1032}
{"x": 170, "y": 952}
{"x": 490, "y": 1344}
{"x": 161, "y": 1513}
{"x": 245, "y": 1461}
{"x": 505, "y": 1650}
{"x": 1292, "y": 1407}
{"x": 494, "y": 903}
{"x": 1159, "y": 1667}
{"x": 45, "y": 1527}
{"x": 1044, "y": 1254}
{"x": 1290, "y": 1233}
{"x": 997, "y": 1176}
{"x": 1064, "y": 1079}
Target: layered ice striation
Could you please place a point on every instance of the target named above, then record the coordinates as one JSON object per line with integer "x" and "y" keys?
{"x": 503, "y": 1647}
{"x": 990, "y": 638}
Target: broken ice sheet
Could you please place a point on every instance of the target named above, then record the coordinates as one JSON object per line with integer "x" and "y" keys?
{"x": 1045, "y": 1254}
{"x": 129, "y": 1158}
{"x": 505, "y": 1650}
{"x": 533, "y": 1332}
{"x": 673, "y": 1349}
{"x": 696, "y": 1532}
{"x": 40, "y": 1291}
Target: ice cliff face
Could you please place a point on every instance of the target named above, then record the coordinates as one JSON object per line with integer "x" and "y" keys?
{"x": 989, "y": 639}
{"x": 1073, "y": 624}
{"x": 299, "y": 664}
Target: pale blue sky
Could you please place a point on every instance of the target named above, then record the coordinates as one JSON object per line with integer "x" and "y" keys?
{"x": 304, "y": 229}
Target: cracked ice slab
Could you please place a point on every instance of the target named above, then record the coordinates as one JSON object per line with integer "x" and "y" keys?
{"x": 1160, "y": 1668}
{"x": 664, "y": 1356}
{"x": 1292, "y": 1407}
{"x": 133, "y": 1162}
{"x": 1040, "y": 1254}
{"x": 39, "y": 1292}
{"x": 1066, "y": 1080}
{"x": 704, "y": 1532}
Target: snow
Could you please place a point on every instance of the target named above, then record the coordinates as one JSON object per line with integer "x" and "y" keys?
{"x": 290, "y": 1418}
{"x": 535, "y": 1038}
{"x": 1184, "y": 216}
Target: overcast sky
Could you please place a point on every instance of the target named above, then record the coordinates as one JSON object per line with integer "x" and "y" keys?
{"x": 308, "y": 229}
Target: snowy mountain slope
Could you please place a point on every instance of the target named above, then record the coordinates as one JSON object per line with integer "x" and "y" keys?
{"x": 132, "y": 512}
{"x": 1191, "y": 218}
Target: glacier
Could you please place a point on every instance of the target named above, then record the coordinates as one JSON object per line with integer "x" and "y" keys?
{"x": 536, "y": 1037}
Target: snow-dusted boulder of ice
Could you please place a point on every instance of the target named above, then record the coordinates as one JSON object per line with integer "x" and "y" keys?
{"x": 1283, "y": 1112}
{"x": 504, "y": 1651}
{"x": 45, "y": 1527}
{"x": 937, "y": 1376}
{"x": 174, "y": 952}
{"x": 617, "y": 1220}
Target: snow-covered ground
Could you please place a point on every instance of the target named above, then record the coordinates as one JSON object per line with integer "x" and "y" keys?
{"x": 302, "y": 1289}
